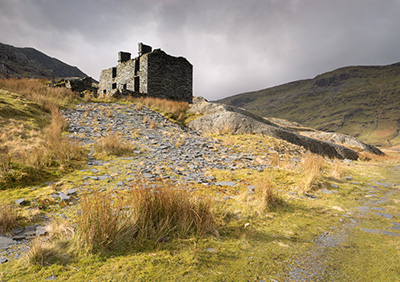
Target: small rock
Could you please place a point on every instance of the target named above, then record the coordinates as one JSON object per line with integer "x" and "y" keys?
{"x": 210, "y": 250}
{"x": 71, "y": 191}
{"x": 246, "y": 225}
{"x": 18, "y": 230}
{"x": 385, "y": 215}
{"x": 53, "y": 277}
{"x": 64, "y": 197}
{"x": 328, "y": 191}
{"x": 6, "y": 242}
{"x": 19, "y": 238}
{"x": 3, "y": 260}
{"x": 225, "y": 183}
{"x": 147, "y": 175}
{"x": 310, "y": 196}
{"x": 41, "y": 230}
{"x": 21, "y": 201}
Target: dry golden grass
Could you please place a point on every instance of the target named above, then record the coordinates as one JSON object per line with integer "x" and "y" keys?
{"x": 389, "y": 157}
{"x": 114, "y": 145}
{"x": 88, "y": 96}
{"x": 25, "y": 148}
{"x": 60, "y": 229}
{"x": 311, "y": 166}
{"x": 167, "y": 211}
{"x": 8, "y": 218}
{"x": 55, "y": 248}
{"x": 141, "y": 215}
{"x": 44, "y": 253}
{"x": 35, "y": 90}
{"x": 172, "y": 109}
{"x": 108, "y": 113}
{"x": 266, "y": 195}
{"x": 179, "y": 142}
{"x": 102, "y": 223}
{"x": 55, "y": 151}
{"x": 337, "y": 170}
{"x": 139, "y": 106}
{"x": 153, "y": 124}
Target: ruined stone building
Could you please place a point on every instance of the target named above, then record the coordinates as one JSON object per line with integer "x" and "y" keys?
{"x": 152, "y": 73}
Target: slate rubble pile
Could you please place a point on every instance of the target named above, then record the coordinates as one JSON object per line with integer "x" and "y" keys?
{"x": 167, "y": 151}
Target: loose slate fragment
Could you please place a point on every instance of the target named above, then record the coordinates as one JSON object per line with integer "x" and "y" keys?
{"x": 71, "y": 191}
{"x": 225, "y": 183}
{"x": 20, "y": 201}
{"x": 64, "y": 197}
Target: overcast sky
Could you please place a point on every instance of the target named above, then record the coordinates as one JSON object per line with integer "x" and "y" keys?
{"x": 234, "y": 46}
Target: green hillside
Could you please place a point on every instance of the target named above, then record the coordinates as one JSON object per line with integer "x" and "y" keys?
{"x": 362, "y": 101}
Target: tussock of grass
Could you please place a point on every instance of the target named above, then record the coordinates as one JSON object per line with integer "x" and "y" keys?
{"x": 264, "y": 198}
{"x": 311, "y": 166}
{"x": 8, "y": 218}
{"x": 171, "y": 109}
{"x": 103, "y": 224}
{"x": 266, "y": 195}
{"x": 44, "y": 253}
{"x": 114, "y": 145}
{"x": 53, "y": 249}
{"x": 167, "y": 211}
{"x": 142, "y": 215}
{"x": 337, "y": 170}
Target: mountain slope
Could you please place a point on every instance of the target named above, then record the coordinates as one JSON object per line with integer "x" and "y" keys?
{"x": 31, "y": 63}
{"x": 362, "y": 101}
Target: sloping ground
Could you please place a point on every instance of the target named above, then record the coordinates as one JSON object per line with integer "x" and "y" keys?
{"x": 31, "y": 63}
{"x": 226, "y": 119}
{"x": 361, "y": 101}
{"x": 254, "y": 242}
{"x": 21, "y": 121}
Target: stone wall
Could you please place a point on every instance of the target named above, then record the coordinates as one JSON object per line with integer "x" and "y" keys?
{"x": 124, "y": 78}
{"x": 169, "y": 77}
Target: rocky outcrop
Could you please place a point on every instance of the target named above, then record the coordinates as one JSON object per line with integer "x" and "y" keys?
{"x": 227, "y": 119}
{"x": 344, "y": 140}
{"x": 338, "y": 138}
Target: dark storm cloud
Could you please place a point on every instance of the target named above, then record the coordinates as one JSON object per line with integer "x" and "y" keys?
{"x": 234, "y": 45}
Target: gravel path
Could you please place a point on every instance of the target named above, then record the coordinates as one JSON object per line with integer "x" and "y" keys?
{"x": 314, "y": 265}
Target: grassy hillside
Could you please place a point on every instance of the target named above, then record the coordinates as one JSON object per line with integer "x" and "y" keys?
{"x": 32, "y": 149}
{"x": 31, "y": 63}
{"x": 362, "y": 101}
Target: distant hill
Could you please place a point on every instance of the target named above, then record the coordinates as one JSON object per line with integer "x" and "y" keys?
{"x": 362, "y": 101}
{"x": 31, "y": 63}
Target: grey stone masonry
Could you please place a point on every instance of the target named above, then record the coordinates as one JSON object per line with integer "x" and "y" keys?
{"x": 153, "y": 73}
